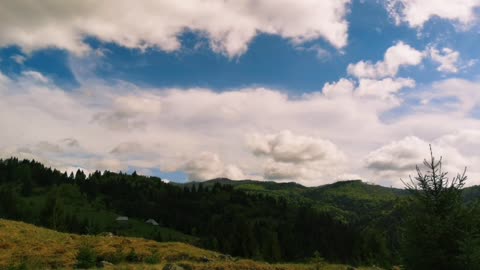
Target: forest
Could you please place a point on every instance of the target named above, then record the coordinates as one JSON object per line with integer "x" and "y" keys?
{"x": 346, "y": 222}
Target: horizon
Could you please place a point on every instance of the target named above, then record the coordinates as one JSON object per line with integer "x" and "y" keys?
{"x": 167, "y": 181}
{"x": 311, "y": 92}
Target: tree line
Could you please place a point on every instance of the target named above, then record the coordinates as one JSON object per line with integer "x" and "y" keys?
{"x": 430, "y": 228}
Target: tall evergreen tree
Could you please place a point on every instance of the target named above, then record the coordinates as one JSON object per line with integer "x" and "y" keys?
{"x": 436, "y": 219}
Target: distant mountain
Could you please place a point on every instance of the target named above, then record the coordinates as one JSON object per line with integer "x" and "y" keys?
{"x": 269, "y": 185}
{"x": 337, "y": 193}
{"x": 471, "y": 194}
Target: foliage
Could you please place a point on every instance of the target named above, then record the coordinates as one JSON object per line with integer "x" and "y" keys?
{"x": 153, "y": 258}
{"x": 317, "y": 260}
{"x": 86, "y": 257}
{"x": 276, "y": 222}
{"x": 132, "y": 256}
{"x": 437, "y": 221}
{"x": 347, "y": 222}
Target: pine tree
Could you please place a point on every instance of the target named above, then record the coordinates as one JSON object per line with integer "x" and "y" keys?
{"x": 53, "y": 211}
{"x": 435, "y": 220}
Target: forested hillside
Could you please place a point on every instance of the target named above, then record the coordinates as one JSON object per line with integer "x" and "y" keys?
{"x": 24, "y": 246}
{"x": 349, "y": 222}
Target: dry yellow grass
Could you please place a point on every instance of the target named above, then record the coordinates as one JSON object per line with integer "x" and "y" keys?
{"x": 43, "y": 248}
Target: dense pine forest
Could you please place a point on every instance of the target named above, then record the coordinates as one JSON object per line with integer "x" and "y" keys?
{"x": 348, "y": 222}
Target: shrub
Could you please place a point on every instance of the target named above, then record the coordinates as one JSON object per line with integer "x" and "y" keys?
{"x": 132, "y": 256}
{"x": 318, "y": 260}
{"x": 154, "y": 258}
{"x": 86, "y": 257}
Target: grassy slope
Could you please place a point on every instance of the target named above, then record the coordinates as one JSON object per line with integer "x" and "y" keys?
{"x": 42, "y": 248}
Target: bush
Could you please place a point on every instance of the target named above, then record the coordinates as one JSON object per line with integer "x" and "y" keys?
{"x": 317, "y": 260}
{"x": 132, "y": 256}
{"x": 86, "y": 257}
{"x": 154, "y": 258}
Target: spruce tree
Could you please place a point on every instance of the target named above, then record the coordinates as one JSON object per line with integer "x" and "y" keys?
{"x": 436, "y": 219}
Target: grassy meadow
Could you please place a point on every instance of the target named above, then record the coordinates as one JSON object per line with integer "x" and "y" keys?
{"x": 24, "y": 246}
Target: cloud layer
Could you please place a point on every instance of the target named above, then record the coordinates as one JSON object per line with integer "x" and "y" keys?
{"x": 228, "y": 25}
{"x": 372, "y": 124}
{"x": 255, "y": 133}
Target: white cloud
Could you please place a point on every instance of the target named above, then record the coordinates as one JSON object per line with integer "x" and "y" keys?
{"x": 385, "y": 88}
{"x": 397, "y": 56}
{"x": 295, "y": 156}
{"x": 329, "y": 136}
{"x": 128, "y": 111}
{"x": 417, "y": 12}
{"x": 341, "y": 88}
{"x": 375, "y": 80}
{"x": 398, "y": 156}
{"x": 36, "y": 76}
{"x": 287, "y": 147}
{"x": 229, "y": 25}
{"x": 207, "y": 165}
{"x": 458, "y": 96}
{"x": 397, "y": 160}
{"x": 447, "y": 58}
{"x": 109, "y": 164}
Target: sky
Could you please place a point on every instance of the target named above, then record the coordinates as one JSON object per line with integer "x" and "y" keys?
{"x": 281, "y": 90}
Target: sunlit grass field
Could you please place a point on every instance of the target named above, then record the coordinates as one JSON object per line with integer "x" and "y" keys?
{"x": 24, "y": 246}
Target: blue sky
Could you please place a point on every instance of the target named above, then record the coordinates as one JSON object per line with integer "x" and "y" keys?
{"x": 270, "y": 61}
{"x": 241, "y": 90}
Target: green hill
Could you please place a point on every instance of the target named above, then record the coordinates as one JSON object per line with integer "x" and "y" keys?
{"x": 277, "y": 224}
{"x": 349, "y": 222}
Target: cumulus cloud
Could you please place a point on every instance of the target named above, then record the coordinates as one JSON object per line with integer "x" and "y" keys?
{"x": 208, "y": 165}
{"x": 385, "y": 88}
{"x": 397, "y": 56}
{"x": 329, "y": 136}
{"x": 398, "y": 159}
{"x": 398, "y": 156}
{"x": 343, "y": 87}
{"x": 458, "y": 96}
{"x": 375, "y": 80}
{"x": 296, "y": 156}
{"x": 287, "y": 147}
{"x": 417, "y": 12}
{"x": 229, "y": 25}
{"x": 447, "y": 58}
